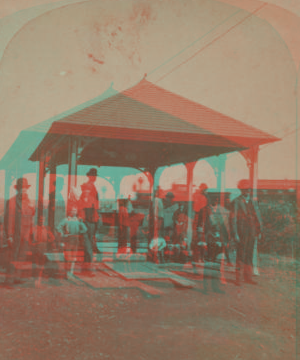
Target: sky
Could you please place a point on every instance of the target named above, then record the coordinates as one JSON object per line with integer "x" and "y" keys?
{"x": 238, "y": 57}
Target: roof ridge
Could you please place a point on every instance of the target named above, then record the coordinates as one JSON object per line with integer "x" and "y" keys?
{"x": 144, "y": 83}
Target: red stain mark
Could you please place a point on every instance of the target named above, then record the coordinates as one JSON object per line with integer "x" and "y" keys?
{"x": 91, "y": 56}
{"x": 142, "y": 14}
{"x": 97, "y": 27}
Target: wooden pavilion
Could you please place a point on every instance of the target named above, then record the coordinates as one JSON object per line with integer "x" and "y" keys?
{"x": 145, "y": 127}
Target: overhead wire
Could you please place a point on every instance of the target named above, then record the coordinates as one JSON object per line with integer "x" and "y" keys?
{"x": 207, "y": 45}
{"x": 192, "y": 44}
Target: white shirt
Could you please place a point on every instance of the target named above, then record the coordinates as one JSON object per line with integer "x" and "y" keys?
{"x": 157, "y": 243}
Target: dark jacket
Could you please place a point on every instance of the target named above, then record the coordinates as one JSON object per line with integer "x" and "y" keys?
{"x": 244, "y": 219}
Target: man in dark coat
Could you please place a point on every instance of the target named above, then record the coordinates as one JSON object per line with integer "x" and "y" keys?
{"x": 18, "y": 223}
{"x": 217, "y": 229}
{"x": 245, "y": 228}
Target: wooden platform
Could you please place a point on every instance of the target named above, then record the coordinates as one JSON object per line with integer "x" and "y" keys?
{"x": 109, "y": 280}
{"x": 147, "y": 271}
{"x": 107, "y": 256}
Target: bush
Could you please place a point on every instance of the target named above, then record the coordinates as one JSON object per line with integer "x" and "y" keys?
{"x": 279, "y": 222}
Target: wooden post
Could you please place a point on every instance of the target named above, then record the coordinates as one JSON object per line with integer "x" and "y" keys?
{"x": 117, "y": 185}
{"x": 254, "y": 180}
{"x": 190, "y": 172}
{"x": 221, "y": 178}
{"x": 72, "y": 173}
{"x": 251, "y": 157}
{"x": 253, "y": 172}
{"x": 52, "y": 188}
{"x": 218, "y": 164}
{"x": 8, "y": 181}
{"x": 41, "y": 176}
{"x": 220, "y": 174}
{"x": 151, "y": 175}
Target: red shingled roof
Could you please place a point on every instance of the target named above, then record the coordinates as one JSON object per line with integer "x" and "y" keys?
{"x": 204, "y": 119}
{"x": 148, "y": 113}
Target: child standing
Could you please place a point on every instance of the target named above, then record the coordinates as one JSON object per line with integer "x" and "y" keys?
{"x": 70, "y": 230}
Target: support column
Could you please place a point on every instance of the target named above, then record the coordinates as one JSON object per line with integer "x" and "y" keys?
{"x": 41, "y": 175}
{"x": 72, "y": 173}
{"x": 254, "y": 181}
{"x": 297, "y": 185}
{"x": 52, "y": 197}
{"x": 220, "y": 173}
{"x": 116, "y": 182}
{"x": 253, "y": 172}
{"x": 151, "y": 174}
{"x": 251, "y": 157}
{"x": 218, "y": 164}
{"x": 190, "y": 173}
{"x": 117, "y": 185}
{"x": 8, "y": 180}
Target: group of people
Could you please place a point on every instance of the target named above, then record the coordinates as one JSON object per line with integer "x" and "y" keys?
{"x": 19, "y": 234}
{"x": 170, "y": 226}
{"x": 214, "y": 230}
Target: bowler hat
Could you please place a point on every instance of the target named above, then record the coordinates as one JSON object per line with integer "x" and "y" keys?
{"x": 244, "y": 184}
{"x": 170, "y": 195}
{"x": 92, "y": 172}
{"x": 22, "y": 183}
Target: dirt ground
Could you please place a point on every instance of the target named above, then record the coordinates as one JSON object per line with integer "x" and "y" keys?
{"x": 71, "y": 320}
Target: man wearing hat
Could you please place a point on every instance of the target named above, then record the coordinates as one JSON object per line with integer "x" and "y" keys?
{"x": 18, "y": 223}
{"x": 88, "y": 212}
{"x": 92, "y": 176}
{"x": 246, "y": 227}
{"x": 93, "y": 194}
{"x": 169, "y": 209}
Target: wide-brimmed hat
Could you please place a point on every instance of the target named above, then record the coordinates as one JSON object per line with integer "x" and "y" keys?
{"x": 92, "y": 172}
{"x": 203, "y": 187}
{"x": 22, "y": 183}
{"x": 244, "y": 184}
{"x": 170, "y": 195}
